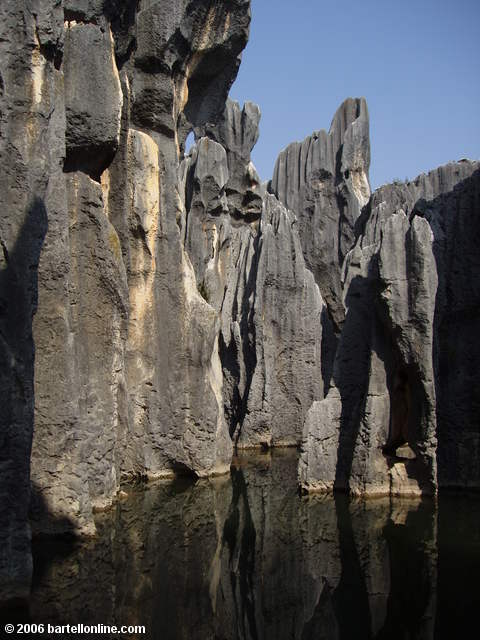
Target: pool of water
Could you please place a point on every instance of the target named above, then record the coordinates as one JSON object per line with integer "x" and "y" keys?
{"x": 245, "y": 556}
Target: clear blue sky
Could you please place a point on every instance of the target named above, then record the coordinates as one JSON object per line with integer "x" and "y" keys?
{"x": 417, "y": 62}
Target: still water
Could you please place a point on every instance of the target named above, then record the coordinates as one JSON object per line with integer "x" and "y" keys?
{"x": 246, "y": 557}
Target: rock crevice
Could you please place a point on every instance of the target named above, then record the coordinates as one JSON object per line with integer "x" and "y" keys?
{"x": 159, "y": 308}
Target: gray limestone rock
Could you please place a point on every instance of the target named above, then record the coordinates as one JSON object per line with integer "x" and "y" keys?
{"x": 223, "y": 252}
{"x": 454, "y": 217}
{"x": 324, "y": 181}
{"x": 153, "y": 395}
{"x": 187, "y": 54}
{"x": 31, "y": 155}
{"x": 237, "y": 334}
{"x": 448, "y": 199}
{"x": 287, "y": 325}
{"x": 174, "y": 305}
{"x": 206, "y": 186}
{"x": 127, "y": 377}
{"x": 86, "y": 11}
{"x": 255, "y": 275}
{"x": 93, "y": 98}
{"x": 237, "y": 130}
{"x": 174, "y": 417}
{"x": 80, "y": 384}
{"x": 398, "y": 288}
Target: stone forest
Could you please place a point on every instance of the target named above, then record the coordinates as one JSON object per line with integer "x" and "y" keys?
{"x": 177, "y": 336}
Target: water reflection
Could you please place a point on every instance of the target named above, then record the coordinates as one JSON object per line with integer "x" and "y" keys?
{"x": 245, "y": 557}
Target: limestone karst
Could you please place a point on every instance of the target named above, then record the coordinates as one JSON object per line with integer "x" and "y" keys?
{"x": 403, "y": 371}
{"x": 158, "y": 308}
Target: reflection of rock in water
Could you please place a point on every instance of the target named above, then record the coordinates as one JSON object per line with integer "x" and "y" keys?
{"x": 149, "y": 566}
{"x": 321, "y": 566}
{"x": 388, "y": 552}
{"x": 249, "y": 559}
{"x": 277, "y": 543}
{"x": 411, "y": 538}
{"x": 238, "y": 554}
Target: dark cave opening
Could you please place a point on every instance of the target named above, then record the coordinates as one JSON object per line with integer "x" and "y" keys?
{"x": 400, "y": 439}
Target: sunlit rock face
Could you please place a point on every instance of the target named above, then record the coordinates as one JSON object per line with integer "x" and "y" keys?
{"x": 158, "y": 307}
{"x": 238, "y": 131}
{"x": 245, "y": 248}
{"x": 324, "y": 180}
{"x": 287, "y": 324}
{"x": 398, "y": 315}
{"x": 387, "y": 424}
{"x": 155, "y": 399}
{"x": 96, "y": 101}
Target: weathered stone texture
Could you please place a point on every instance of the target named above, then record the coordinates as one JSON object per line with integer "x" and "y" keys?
{"x": 80, "y": 382}
{"x": 128, "y": 378}
{"x": 31, "y": 156}
{"x": 93, "y": 98}
{"x": 175, "y": 306}
{"x": 254, "y": 273}
{"x": 238, "y": 130}
{"x": 455, "y": 220}
{"x": 287, "y": 314}
{"x": 446, "y": 198}
{"x": 398, "y": 293}
{"x": 324, "y": 180}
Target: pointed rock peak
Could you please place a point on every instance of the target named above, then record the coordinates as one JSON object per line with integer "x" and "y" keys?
{"x": 348, "y": 112}
{"x": 237, "y": 128}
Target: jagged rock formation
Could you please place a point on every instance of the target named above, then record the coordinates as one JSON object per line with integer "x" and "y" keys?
{"x": 249, "y": 265}
{"x": 96, "y": 101}
{"x": 324, "y": 180}
{"x": 287, "y": 324}
{"x": 407, "y": 293}
{"x": 118, "y": 403}
{"x": 178, "y": 307}
{"x": 238, "y": 130}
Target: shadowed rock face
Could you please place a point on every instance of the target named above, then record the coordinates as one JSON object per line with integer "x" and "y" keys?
{"x": 93, "y": 108}
{"x": 387, "y": 423}
{"x": 95, "y": 101}
{"x": 31, "y": 157}
{"x": 454, "y": 216}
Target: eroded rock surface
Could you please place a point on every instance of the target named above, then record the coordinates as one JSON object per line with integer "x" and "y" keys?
{"x": 238, "y": 131}
{"x": 249, "y": 265}
{"x": 387, "y": 423}
{"x": 177, "y": 309}
{"x": 31, "y": 155}
{"x": 96, "y": 101}
{"x": 324, "y": 180}
{"x": 287, "y": 324}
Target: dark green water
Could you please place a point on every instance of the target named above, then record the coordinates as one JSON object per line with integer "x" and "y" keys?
{"x": 246, "y": 557}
